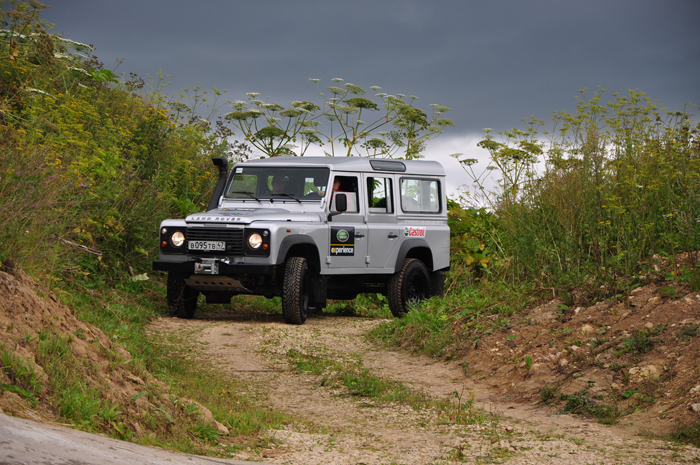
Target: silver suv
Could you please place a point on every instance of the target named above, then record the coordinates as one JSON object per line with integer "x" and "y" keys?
{"x": 309, "y": 229}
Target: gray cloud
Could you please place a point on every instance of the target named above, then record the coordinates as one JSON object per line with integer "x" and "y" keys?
{"x": 493, "y": 63}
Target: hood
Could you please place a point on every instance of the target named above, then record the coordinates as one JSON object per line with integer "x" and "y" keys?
{"x": 248, "y": 215}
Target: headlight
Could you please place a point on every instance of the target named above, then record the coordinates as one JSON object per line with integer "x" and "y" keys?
{"x": 255, "y": 241}
{"x": 177, "y": 238}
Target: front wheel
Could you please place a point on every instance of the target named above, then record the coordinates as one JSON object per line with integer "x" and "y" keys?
{"x": 408, "y": 287}
{"x": 181, "y": 298}
{"x": 295, "y": 291}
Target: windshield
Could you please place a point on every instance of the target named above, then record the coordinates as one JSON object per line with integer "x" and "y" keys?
{"x": 278, "y": 183}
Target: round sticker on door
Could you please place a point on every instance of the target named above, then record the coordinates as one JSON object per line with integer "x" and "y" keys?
{"x": 342, "y": 235}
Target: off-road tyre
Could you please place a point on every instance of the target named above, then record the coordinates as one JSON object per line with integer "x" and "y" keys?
{"x": 296, "y": 291}
{"x": 181, "y": 299}
{"x": 408, "y": 287}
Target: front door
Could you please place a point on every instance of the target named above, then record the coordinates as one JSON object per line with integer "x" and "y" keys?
{"x": 348, "y": 230}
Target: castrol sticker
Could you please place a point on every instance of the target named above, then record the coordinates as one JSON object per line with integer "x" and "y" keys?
{"x": 412, "y": 231}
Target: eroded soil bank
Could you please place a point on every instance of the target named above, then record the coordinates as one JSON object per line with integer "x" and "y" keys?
{"x": 335, "y": 427}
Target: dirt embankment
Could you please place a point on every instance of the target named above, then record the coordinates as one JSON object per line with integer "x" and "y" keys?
{"x": 34, "y": 329}
{"x": 638, "y": 356}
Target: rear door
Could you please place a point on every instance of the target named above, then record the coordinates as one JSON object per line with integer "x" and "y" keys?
{"x": 383, "y": 232}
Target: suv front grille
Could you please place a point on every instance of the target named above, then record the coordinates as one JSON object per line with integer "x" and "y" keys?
{"x": 232, "y": 237}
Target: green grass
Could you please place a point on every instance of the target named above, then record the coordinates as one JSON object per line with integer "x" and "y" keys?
{"x": 687, "y": 434}
{"x": 441, "y": 327}
{"x": 25, "y": 381}
{"x": 362, "y": 383}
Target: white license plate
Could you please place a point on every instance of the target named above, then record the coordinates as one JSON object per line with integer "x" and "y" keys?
{"x": 207, "y": 245}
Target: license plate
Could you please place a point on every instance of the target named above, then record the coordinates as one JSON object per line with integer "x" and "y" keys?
{"x": 207, "y": 245}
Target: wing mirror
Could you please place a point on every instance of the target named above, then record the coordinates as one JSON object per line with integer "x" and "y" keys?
{"x": 340, "y": 201}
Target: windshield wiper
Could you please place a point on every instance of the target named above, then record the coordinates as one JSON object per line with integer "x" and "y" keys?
{"x": 286, "y": 194}
{"x": 246, "y": 193}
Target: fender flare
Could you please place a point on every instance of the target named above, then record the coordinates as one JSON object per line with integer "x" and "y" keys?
{"x": 290, "y": 241}
{"x": 406, "y": 247}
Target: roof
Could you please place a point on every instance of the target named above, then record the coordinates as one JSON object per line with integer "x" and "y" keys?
{"x": 422, "y": 167}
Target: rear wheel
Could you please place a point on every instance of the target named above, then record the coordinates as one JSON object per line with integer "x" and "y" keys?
{"x": 296, "y": 291}
{"x": 181, "y": 299}
{"x": 408, "y": 287}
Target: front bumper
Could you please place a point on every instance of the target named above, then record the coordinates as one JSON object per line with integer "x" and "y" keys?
{"x": 223, "y": 268}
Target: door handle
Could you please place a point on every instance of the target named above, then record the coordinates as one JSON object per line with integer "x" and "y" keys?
{"x": 392, "y": 236}
{"x": 359, "y": 235}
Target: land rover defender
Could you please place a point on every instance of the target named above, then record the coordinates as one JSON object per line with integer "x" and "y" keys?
{"x": 309, "y": 229}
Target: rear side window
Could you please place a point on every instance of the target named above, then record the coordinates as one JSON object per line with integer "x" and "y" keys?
{"x": 420, "y": 195}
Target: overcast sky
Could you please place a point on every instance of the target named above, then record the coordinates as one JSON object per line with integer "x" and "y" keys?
{"x": 493, "y": 62}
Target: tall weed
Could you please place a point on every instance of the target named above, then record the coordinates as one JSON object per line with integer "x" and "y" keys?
{"x": 596, "y": 198}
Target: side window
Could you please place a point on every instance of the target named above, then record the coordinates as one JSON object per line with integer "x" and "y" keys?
{"x": 379, "y": 195}
{"x": 420, "y": 195}
{"x": 348, "y": 186}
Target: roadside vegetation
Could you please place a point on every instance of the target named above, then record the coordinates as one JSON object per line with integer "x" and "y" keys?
{"x": 91, "y": 162}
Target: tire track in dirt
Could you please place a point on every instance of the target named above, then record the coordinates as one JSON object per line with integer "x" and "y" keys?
{"x": 334, "y": 428}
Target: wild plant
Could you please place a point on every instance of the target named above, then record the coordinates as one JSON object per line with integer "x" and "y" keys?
{"x": 598, "y": 195}
{"x": 398, "y": 125}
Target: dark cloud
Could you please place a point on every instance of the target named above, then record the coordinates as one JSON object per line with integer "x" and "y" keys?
{"x": 492, "y": 62}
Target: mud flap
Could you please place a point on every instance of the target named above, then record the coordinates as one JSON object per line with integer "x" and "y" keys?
{"x": 320, "y": 288}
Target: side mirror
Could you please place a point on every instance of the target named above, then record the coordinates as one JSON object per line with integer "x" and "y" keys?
{"x": 340, "y": 202}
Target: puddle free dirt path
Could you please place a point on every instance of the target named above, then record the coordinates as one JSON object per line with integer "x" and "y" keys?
{"x": 336, "y": 428}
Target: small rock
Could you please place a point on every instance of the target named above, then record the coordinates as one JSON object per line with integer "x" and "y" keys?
{"x": 563, "y": 362}
{"x": 638, "y": 374}
{"x": 221, "y": 428}
{"x": 654, "y": 300}
{"x": 695, "y": 390}
{"x": 137, "y": 428}
{"x": 587, "y": 329}
{"x": 205, "y": 415}
{"x": 615, "y": 386}
{"x": 574, "y": 348}
{"x": 695, "y": 407}
{"x": 577, "y": 309}
{"x": 649, "y": 325}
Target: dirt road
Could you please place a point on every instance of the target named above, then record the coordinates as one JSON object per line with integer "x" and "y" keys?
{"x": 302, "y": 370}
